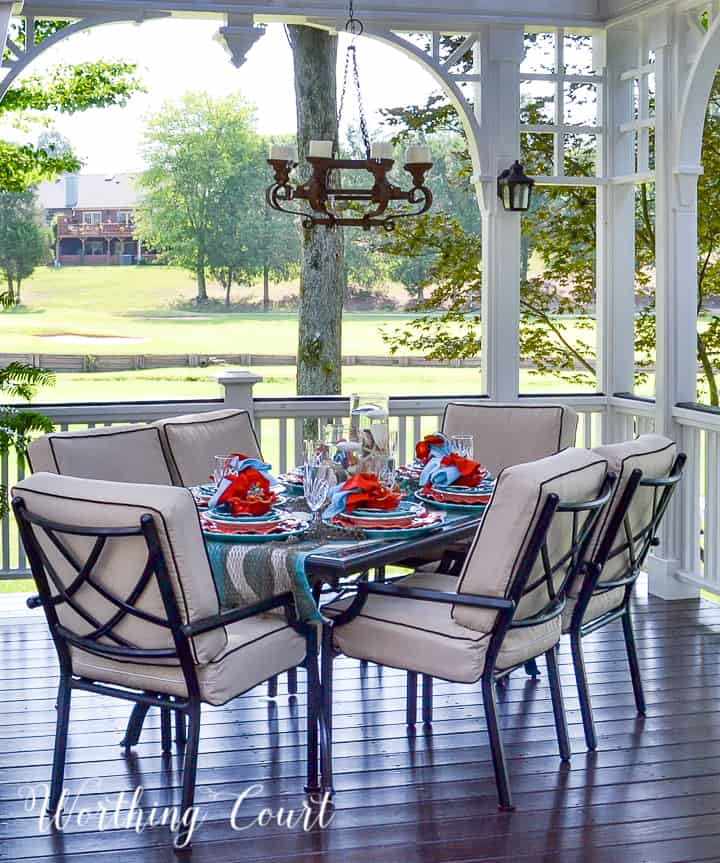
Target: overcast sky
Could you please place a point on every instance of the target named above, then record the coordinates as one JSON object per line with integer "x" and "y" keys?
{"x": 175, "y": 56}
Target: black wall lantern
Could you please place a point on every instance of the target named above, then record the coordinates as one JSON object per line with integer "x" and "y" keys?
{"x": 515, "y": 189}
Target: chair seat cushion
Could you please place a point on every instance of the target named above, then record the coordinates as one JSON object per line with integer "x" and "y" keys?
{"x": 257, "y": 648}
{"x": 598, "y": 605}
{"x": 422, "y": 636}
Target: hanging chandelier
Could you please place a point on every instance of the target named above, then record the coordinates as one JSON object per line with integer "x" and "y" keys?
{"x": 325, "y": 200}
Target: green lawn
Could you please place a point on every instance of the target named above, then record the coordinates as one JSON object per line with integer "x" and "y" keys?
{"x": 132, "y": 310}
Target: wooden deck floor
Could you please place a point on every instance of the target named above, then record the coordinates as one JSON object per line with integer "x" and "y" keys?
{"x": 650, "y": 793}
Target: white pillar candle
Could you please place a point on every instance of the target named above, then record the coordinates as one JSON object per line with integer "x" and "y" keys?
{"x": 381, "y": 150}
{"x": 418, "y": 154}
{"x": 283, "y": 153}
{"x": 321, "y": 149}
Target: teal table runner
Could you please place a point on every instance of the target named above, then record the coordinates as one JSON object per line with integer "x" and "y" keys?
{"x": 246, "y": 573}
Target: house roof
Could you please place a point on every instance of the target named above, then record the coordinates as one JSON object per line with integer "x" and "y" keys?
{"x": 89, "y": 192}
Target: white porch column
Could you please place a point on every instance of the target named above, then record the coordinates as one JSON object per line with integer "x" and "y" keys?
{"x": 615, "y": 226}
{"x": 676, "y": 291}
{"x": 497, "y": 106}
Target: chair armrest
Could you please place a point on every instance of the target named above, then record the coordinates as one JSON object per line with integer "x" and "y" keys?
{"x": 206, "y": 624}
{"x": 496, "y": 603}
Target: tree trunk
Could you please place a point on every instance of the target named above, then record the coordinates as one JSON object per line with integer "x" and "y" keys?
{"x": 17, "y": 291}
{"x": 228, "y": 285}
{"x": 319, "y": 370}
{"x": 266, "y": 287}
{"x": 10, "y": 289}
{"x": 201, "y": 281}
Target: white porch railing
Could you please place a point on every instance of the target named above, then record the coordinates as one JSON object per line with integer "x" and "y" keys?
{"x": 279, "y": 424}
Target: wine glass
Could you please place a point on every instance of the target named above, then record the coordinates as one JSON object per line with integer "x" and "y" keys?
{"x": 316, "y": 487}
{"x": 462, "y": 444}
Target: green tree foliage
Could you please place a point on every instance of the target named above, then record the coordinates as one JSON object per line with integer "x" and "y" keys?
{"x": 24, "y": 240}
{"x": 64, "y": 89}
{"x": 202, "y": 188}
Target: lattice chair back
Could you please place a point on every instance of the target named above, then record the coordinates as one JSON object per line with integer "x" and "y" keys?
{"x": 534, "y": 535}
{"x": 648, "y": 470}
{"x": 510, "y": 434}
{"x": 120, "y": 569}
{"x": 192, "y": 441}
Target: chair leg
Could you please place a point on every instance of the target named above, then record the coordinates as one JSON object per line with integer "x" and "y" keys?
{"x": 558, "y": 704}
{"x": 326, "y": 740}
{"x": 583, "y": 690}
{"x": 411, "y": 698}
{"x": 531, "y": 668}
{"x": 502, "y": 779}
{"x": 272, "y": 687}
{"x": 62, "y": 721}
{"x": 427, "y": 699}
{"x": 135, "y": 725}
{"x": 314, "y": 708}
{"x": 165, "y": 729}
{"x": 634, "y": 664}
{"x": 292, "y": 681}
{"x": 189, "y": 773}
{"x": 180, "y": 729}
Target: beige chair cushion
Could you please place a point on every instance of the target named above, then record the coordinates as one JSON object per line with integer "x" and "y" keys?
{"x": 598, "y": 605}
{"x": 508, "y": 434}
{"x": 654, "y": 455}
{"x": 495, "y": 554}
{"x": 422, "y": 636}
{"x": 257, "y": 648}
{"x": 191, "y": 442}
{"x": 131, "y": 453}
{"x": 84, "y": 503}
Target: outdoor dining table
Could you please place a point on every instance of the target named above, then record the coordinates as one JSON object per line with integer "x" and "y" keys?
{"x": 321, "y": 562}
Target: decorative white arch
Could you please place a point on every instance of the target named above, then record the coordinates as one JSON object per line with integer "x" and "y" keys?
{"x": 21, "y": 57}
{"x": 694, "y": 102}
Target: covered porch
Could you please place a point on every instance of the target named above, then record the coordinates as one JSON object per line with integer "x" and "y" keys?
{"x": 650, "y": 789}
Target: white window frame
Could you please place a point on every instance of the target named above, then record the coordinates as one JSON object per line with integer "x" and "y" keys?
{"x": 92, "y": 217}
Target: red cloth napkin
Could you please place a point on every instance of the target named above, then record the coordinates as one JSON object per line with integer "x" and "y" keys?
{"x": 367, "y": 493}
{"x": 422, "y": 447}
{"x": 248, "y": 493}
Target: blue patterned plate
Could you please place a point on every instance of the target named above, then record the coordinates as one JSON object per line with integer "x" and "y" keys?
{"x": 211, "y": 536}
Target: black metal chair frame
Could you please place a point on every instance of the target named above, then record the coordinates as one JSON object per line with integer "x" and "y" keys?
{"x": 505, "y": 608}
{"x": 104, "y": 641}
{"x": 636, "y": 544}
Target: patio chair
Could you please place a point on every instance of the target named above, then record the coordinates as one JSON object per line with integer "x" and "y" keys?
{"x": 506, "y": 607}
{"x": 129, "y": 453}
{"x": 508, "y": 434}
{"x": 191, "y": 441}
{"x": 126, "y": 586}
{"x": 503, "y": 435}
{"x": 648, "y": 470}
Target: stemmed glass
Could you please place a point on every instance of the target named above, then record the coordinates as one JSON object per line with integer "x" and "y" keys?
{"x": 387, "y": 474}
{"x": 318, "y": 478}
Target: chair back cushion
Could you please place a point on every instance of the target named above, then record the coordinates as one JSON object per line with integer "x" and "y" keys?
{"x": 508, "y": 434}
{"x": 575, "y": 475}
{"x": 192, "y": 441}
{"x": 654, "y": 455}
{"x": 130, "y": 453}
{"x": 88, "y": 504}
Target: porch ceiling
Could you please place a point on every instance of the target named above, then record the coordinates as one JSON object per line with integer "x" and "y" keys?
{"x": 456, "y": 14}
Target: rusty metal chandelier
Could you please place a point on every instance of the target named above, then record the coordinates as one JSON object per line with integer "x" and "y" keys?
{"x": 365, "y": 203}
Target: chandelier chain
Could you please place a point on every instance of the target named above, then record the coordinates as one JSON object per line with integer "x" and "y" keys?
{"x": 351, "y": 60}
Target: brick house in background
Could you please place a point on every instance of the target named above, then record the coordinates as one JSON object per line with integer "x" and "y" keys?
{"x": 93, "y": 216}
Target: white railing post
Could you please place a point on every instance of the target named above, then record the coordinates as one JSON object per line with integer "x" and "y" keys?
{"x": 238, "y": 386}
